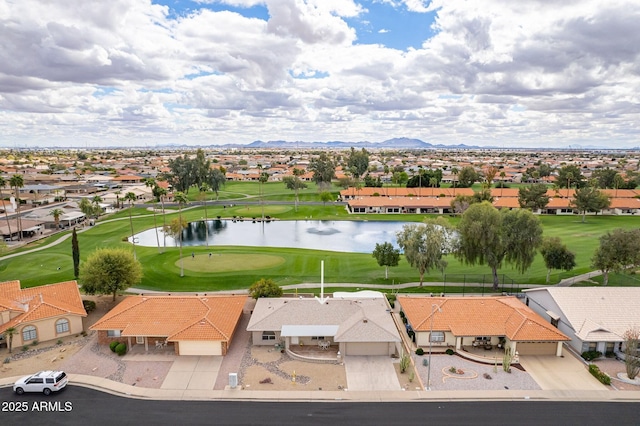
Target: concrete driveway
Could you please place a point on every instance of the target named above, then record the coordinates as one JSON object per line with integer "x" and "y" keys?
{"x": 193, "y": 372}
{"x": 558, "y": 373}
{"x": 371, "y": 373}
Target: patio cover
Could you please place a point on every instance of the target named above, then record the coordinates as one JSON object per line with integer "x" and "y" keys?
{"x": 308, "y": 330}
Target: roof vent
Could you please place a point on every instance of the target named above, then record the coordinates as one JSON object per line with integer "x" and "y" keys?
{"x": 365, "y": 321}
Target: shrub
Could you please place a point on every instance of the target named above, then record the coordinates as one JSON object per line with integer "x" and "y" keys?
{"x": 453, "y": 370}
{"x": 84, "y": 333}
{"x": 449, "y": 351}
{"x": 34, "y": 343}
{"x": 591, "y": 355}
{"x": 405, "y": 320}
{"x": 89, "y": 305}
{"x": 405, "y": 361}
{"x": 412, "y": 335}
{"x": 59, "y": 342}
{"x": 420, "y": 351}
{"x": 267, "y": 380}
{"x": 402, "y": 314}
{"x": 121, "y": 349}
{"x": 602, "y": 377}
{"x": 610, "y": 354}
{"x": 25, "y": 348}
{"x": 425, "y": 362}
{"x": 7, "y": 360}
{"x": 113, "y": 345}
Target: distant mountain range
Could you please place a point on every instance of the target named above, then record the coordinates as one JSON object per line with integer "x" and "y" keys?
{"x": 395, "y": 143}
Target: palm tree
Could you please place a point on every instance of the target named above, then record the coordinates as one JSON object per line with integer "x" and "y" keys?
{"x": 296, "y": 174}
{"x": 204, "y": 188}
{"x": 162, "y": 193}
{"x": 264, "y": 177}
{"x": 131, "y": 197}
{"x": 502, "y": 176}
{"x": 8, "y": 333}
{"x": 56, "y": 213}
{"x": 151, "y": 182}
{"x": 454, "y": 171}
{"x": 17, "y": 182}
{"x": 96, "y": 200}
{"x": 3, "y": 183}
{"x": 181, "y": 198}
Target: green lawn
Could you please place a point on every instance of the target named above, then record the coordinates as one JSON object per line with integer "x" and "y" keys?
{"x": 162, "y": 270}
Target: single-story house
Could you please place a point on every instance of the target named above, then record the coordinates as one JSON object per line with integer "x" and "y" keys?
{"x": 42, "y": 313}
{"x": 356, "y": 325}
{"x": 459, "y": 322}
{"x": 194, "y": 325}
{"x": 595, "y": 318}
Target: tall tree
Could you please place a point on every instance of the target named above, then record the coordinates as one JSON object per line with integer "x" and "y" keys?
{"x": 570, "y": 175}
{"x": 424, "y": 245}
{"x": 8, "y": 335}
{"x": 454, "y": 172}
{"x": 295, "y": 183}
{"x": 589, "y": 199}
{"x": 96, "y": 200}
{"x": 109, "y": 270}
{"x": 358, "y": 162}
{"x": 324, "y": 170}
{"x": 75, "y": 253}
{"x": 201, "y": 168}
{"x": 556, "y": 255}
{"x": 131, "y": 198}
{"x": 160, "y": 193}
{"x": 631, "y": 360}
{"x": 17, "y": 182}
{"x": 182, "y": 175}
{"x": 490, "y": 174}
{"x": 386, "y": 255}
{"x": 605, "y": 177}
{"x": 619, "y": 250}
{"x": 3, "y": 183}
{"x": 202, "y": 196}
{"x": 151, "y": 183}
{"x": 467, "y": 177}
{"x": 86, "y": 207}
{"x": 56, "y": 213}
{"x": 491, "y": 237}
{"x": 217, "y": 180}
{"x": 182, "y": 200}
{"x": 533, "y": 197}
{"x": 265, "y": 288}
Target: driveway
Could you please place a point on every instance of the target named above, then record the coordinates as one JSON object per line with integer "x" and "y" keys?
{"x": 193, "y": 372}
{"x": 560, "y": 373}
{"x": 371, "y": 373}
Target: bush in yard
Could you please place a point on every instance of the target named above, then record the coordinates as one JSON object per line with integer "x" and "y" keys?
{"x": 405, "y": 361}
{"x": 449, "y": 351}
{"x": 113, "y": 345}
{"x": 420, "y": 351}
{"x": 121, "y": 349}
{"x": 602, "y": 377}
{"x": 591, "y": 355}
{"x": 402, "y": 314}
{"x": 89, "y": 305}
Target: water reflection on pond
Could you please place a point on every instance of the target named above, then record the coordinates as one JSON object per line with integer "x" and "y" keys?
{"x": 346, "y": 236}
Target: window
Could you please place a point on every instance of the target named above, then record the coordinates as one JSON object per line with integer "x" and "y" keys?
{"x": 140, "y": 340}
{"x": 589, "y": 346}
{"x": 62, "y": 326}
{"x": 317, "y": 337}
{"x": 437, "y": 336}
{"x": 268, "y": 335}
{"x": 113, "y": 333}
{"x": 29, "y": 333}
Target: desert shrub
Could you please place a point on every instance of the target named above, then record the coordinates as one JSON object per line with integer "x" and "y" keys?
{"x": 453, "y": 370}
{"x": 487, "y": 376}
{"x": 59, "y": 342}
{"x": 89, "y": 305}
{"x": 121, "y": 349}
{"x": 602, "y": 377}
{"x": 113, "y": 345}
{"x": 610, "y": 354}
{"x": 405, "y": 361}
{"x": 425, "y": 362}
{"x": 449, "y": 351}
{"x": 405, "y": 320}
{"x": 34, "y": 343}
{"x": 420, "y": 351}
{"x": 25, "y": 348}
{"x": 265, "y": 381}
{"x": 591, "y": 355}
{"x": 402, "y": 314}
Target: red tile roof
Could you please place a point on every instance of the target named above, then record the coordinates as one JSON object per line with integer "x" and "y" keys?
{"x": 480, "y": 316}
{"x": 175, "y": 317}
{"x": 36, "y": 303}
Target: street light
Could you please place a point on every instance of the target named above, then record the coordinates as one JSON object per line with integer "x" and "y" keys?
{"x": 433, "y": 312}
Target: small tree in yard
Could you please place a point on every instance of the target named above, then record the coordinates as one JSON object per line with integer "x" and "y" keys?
{"x": 618, "y": 251}
{"x": 631, "y": 359}
{"x": 75, "y": 254}
{"x": 8, "y": 334}
{"x": 556, "y": 255}
{"x": 110, "y": 270}
{"x": 265, "y": 288}
{"x": 386, "y": 255}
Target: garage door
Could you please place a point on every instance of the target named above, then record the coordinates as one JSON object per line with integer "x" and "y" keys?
{"x": 534, "y": 348}
{"x": 191, "y": 347}
{"x": 367, "y": 349}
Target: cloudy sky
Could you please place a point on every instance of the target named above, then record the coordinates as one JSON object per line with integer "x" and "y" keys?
{"x": 493, "y": 72}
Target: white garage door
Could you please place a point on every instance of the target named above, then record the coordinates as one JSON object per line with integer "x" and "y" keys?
{"x": 198, "y": 347}
{"x": 367, "y": 349}
{"x": 533, "y": 348}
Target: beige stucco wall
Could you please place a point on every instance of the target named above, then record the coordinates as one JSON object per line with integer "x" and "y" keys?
{"x": 46, "y": 330}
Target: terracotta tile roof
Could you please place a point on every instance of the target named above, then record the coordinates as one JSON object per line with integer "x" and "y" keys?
{"x": 36, "y": 303}
{"x": 480, "y": 316}
{"x": 175, "y": 317}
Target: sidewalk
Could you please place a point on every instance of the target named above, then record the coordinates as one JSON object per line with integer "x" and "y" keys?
{"x": 120, "y": 389}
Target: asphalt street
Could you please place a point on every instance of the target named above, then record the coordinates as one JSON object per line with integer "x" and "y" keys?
{"x": 81, "y": 406}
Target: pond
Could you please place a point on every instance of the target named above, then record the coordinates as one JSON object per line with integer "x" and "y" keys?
{"x": 345, "y": 236}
